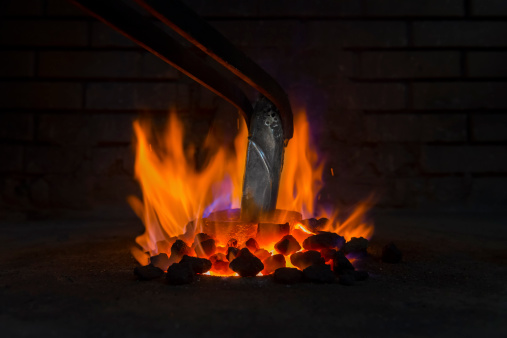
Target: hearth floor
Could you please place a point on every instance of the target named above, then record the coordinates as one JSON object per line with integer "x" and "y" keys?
{"x": 73, "y": 277}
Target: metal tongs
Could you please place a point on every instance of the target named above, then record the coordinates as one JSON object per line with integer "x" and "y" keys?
{"x": 269, "y": 120}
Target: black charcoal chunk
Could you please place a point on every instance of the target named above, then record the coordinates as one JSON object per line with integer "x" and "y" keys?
{"x": 148, "y": 272}
{"x": 304, "y": 259}
{"x": 314, "y": 225}
{"x": 287, "y": 245}
{"x": 328, "y": 254}
{"x": 252, "y": 245}
{"x": 272, "y": 263}
{"x": 391, "y": 254}
{"x": 201, "y": 237}
{"x": 355, "y": 245}
{"x": 232, "y": 243}
{"x": 232, "y": 253}
{"x": 161, "y": 261}
{"x": 323, "y": 240}
{"x": 310, "y": 223}
{"x": 199, "y": 265}
{"x": 246, "y": 264}
{"x": 288, "y": 275}
{"x": 206, "y": 248}
{"x": 319, "y": 273}
{"x": 341, "y": 263}
{"x": 180, "y": 273}
{"x": 180, "y": 248}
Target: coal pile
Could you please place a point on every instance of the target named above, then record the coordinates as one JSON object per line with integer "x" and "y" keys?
{"x": 320, "y": 257}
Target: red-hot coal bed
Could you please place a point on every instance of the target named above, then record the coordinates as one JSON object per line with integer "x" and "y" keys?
{"x": 193, "y": 222}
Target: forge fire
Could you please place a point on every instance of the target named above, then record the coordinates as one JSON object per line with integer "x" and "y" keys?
{"x": 193, "y": 223}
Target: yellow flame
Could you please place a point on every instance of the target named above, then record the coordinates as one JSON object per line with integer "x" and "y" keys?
{"x": 355, "y": 225}
{"x": 175, "y": 192}
{"x": 302, "y": 173}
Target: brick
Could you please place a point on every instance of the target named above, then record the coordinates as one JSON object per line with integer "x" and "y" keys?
{"x": 229, "y": 8}
{"x": 412, "y": 128}
{"x": 64, "y": 8}
{"x": 444, "y": 193}
{"x": 136, "y": 96}
{"x": 105, "y": 36}
{"x": 113, "y": 128}
{"x": 370, "y": 96}
{"x": 436, "y": 193}
{"x": 459, "y": 95}
{"x": 348, "y": 192}
{"x": 308, "y": 9}
{"x": 373, "y": 161}
{"x": 276, "y": 33}
{"x": 271, "y": 59}
{"x": 404, "y": 192}
{"x": 40, "y": 95}
{"x": 56, "y": 159}
{"x": 365, "y": 8}
{"x": 18, "y": 63}
{"x": 43, "y": 33}
{"x": 114, "y": 189}
{"x": 113, "y": 161}
{"x": 84, "y": 129}
{"x": 487, "y": 64}
{"x": 327, "y": 67}
{"x": 377, "y": 33}
{"x": 489, "y": 192}
{"x": 489, "y": 128}
{"x": 15, "y": 191}
{"x": 70, "y": 191}
{"x": 22, "y": 8}
{"x": 351, "y": 126}
{"x": 464, "y": 159}
{"x": 460, "y": 34}
{"x": 65, "y": 129}
{"x": 339, "y": 126}
{"x": 16, "y": 126}
{"x": 409, "y": 64}
{"x": 97, "y": 64}
{"x": 319, "y": 35}
{"x": 39, "y": 192}
{"x": 489, "y": 7}
{"x": 432, "y": 8}
{"x": 12, "y": 158}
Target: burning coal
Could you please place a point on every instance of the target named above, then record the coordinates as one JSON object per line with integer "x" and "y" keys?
{"x": 191, "y": 215}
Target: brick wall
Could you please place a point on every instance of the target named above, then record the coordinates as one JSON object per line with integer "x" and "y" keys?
{"x": 407, "y": 97}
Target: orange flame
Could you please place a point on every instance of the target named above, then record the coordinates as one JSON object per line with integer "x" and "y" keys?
{"x": 176, "y": 193}
{"x": 301, "y": 178}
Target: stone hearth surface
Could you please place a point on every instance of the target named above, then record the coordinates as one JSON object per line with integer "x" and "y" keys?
{"x": 73, "y": 276}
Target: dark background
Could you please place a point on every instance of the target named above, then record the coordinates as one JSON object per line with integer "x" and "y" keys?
{"x": 407, "y": 98}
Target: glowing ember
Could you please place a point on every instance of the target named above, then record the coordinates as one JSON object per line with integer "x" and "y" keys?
{"x": 180, "y": 201}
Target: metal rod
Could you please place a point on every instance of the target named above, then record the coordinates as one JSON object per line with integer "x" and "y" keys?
{"x": 186, "y": 23}
{"x": 145, "y": 33}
